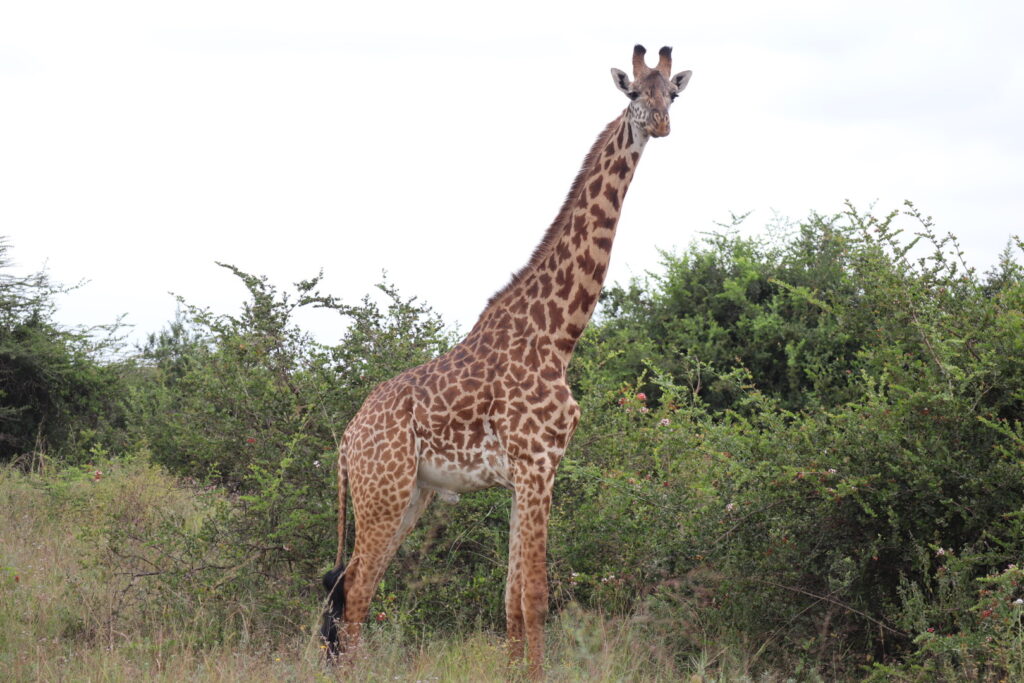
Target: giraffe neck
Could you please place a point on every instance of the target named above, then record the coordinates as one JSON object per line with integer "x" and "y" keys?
{"x": 550, "y": 301}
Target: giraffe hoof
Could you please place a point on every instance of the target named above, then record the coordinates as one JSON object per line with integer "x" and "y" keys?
{"x": 448, "y": 496}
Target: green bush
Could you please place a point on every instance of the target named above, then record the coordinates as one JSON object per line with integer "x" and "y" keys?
{"x": 56, "y": 396}
{"x": 792, "y": 512}
{"x": 958, "y": 636}
{"x": 251, "y": 404}
{"x": 801, "y": 455}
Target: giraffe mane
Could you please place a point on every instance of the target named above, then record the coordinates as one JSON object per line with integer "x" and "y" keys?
{"x": 557, "y": 226}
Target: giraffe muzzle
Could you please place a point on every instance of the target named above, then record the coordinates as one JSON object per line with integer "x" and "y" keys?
{"x": 658, "y": 127}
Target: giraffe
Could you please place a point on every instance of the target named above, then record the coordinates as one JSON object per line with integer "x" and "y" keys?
{"x": 496, "y": 410}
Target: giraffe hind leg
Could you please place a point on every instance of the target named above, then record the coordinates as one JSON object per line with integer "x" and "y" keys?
{"x": 377, "y": 540}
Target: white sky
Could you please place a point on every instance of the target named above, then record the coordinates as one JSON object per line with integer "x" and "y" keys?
{"x": 140, "y": 142}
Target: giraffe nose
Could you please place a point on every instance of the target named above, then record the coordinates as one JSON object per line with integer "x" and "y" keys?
{"x": 659, "y": 127}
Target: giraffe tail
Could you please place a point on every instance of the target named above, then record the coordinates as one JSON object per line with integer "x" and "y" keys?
{"x": 342, "y": 505}
{"x": 334, "y": 580}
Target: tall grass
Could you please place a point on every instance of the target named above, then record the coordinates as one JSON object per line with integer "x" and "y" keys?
{"x": 71, "y": 608}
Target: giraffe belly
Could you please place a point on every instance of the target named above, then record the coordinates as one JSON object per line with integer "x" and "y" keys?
{"x": 472, "y": 471}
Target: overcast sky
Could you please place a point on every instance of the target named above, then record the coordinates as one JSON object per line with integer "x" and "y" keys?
{"x": 140, "y": 142}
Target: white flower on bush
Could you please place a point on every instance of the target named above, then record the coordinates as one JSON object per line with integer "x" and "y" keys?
{"x": 730, "y": 507}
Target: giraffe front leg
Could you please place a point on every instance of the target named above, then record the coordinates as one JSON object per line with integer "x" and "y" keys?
{"x": 514, "y": 589}
{"x": 534, "y": 580}
{"x": 533, "y": 507}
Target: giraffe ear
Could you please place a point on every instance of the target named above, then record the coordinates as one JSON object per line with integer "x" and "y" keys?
{"x": 623, "y": 83}
{"x": 681, "y": 79}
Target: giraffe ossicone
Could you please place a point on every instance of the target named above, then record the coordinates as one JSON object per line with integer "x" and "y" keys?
{"x": 496, "y": 410}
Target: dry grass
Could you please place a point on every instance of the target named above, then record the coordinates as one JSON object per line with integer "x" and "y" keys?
{"x": 66, "y": 612}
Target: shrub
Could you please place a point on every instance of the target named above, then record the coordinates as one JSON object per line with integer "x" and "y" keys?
{"x": 56, "y": 394}
{"x": 803, "y": 455}
{"x": 251, "y": 404}
{"x": 789, "y": 513}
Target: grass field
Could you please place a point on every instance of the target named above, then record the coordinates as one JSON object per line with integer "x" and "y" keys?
{"x": 67, "y": 612}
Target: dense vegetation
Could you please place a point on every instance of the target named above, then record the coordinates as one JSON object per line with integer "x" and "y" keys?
{"x": 799, "y": 454}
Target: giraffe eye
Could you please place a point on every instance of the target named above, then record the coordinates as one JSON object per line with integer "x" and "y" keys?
{"x": 674, "y": 96}
{"x": 633, "y": 95}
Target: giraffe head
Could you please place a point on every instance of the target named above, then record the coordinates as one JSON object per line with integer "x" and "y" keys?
{"x": 651, "y": 90}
